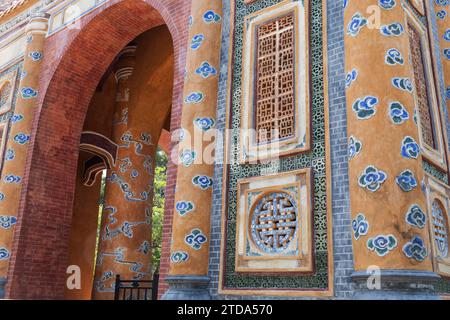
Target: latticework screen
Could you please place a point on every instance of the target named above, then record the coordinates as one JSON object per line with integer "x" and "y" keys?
{"x": 420, "y": 80}
{"x": 5, "y": 92}
{"x": 275, "y": 80}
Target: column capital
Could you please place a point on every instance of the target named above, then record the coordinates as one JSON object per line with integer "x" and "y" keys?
{"x": 125, "y": 62}
{"x": 38, "y": 23}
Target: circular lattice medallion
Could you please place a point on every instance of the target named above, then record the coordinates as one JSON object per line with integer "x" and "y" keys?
{"x": 274, "y": 221}
{"x": 440, "y": 228}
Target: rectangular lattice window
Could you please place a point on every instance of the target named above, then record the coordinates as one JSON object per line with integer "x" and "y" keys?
{"x": 424, "y": 104}
{"x": 275, "y": 80}
{"x": 275, "y": 83}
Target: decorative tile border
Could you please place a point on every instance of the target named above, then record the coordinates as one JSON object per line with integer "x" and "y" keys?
{"x": 234, "y": 283}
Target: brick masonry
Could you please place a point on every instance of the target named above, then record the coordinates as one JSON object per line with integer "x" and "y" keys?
{"x": 41, "y": 241}
{"x": 342, "y": 238}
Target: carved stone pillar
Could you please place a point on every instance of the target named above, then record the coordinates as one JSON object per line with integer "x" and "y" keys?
{"x": 191, "y": 223}
{"x": 384, "y": 85}
{"x": 125, "y": 238}
{"x": 19, "y": 137}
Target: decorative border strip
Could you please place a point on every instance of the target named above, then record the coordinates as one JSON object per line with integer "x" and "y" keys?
{"x": 329, "y": 254}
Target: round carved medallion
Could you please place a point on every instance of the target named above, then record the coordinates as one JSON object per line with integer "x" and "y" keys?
{"x": 273, "y": 223}
{"x": 440, "y": 231}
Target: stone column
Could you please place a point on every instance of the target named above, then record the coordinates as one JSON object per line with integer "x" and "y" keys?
{"x": 125, "y": 238}
{"x": 442, "y": 16}
{"x": 187, "y": 277}
{"x": 19, "y": 137}
{"x": 385, "y": 163}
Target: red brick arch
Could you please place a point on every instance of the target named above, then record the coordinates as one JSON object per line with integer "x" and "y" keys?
{"x": 74, "y": 62}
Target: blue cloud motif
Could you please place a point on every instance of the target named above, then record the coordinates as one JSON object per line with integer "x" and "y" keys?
{"x": 447, "y": 93}
{"x": 10, "y": 178}
{"x": 204, "y": 123}
{"x": 406, "y": 181}
{"x": 387, "y": 4}
{"x": 7, "y": 222}
{"x": 382, "y": 244}
{"x": 107, "y": 275}
{"x": 195, "y": 239}
{"x": 134, "y": 174}
{"x": 179, "y": 257}
{"x": 190, "y": 21}
{"x": 351, "y": 76}
{"x": 410, "y": 148}
{"x": 187, "y": 157}
{"x": 197, "y": 41}
{"x": 2, "y": 196}
{"x": 206, "y": 70}
{"x": 394, "y": 29}
{"x": 398, "y": 112}
{"x": 184, "y": 207}
{"x": 441, "y": 14}
{"x": 35, "y": 55}
{"x": 415, "y": 216}
{"x": 23, "y": 74}
{"x": 393, "y": 56}
{"x": 360, "y": 226}
{"x": 354, "y": 147}
{"x": 4, "y": 254}
{"x": 28, "y": 93}
{"x": 10, "y": 155}
{"x": 404, "y": 84}
{"x": 194, "y": 97}
{"x": 356, "y": 24}
{"x": 204, "y": 182}
{"x": 21, "y": 138}
{"x": 415, "y": 249}
{"x": 16, "y": 118}
{"x": 211, "y": 17}
{"x": 446, "y": 35}
{"x": 144, "y": 247}
{"x": 447, "y": 53}
{"x": 372, "y": 178}
{"x": 365, "y": 107}
{"x": 441, "y": 2}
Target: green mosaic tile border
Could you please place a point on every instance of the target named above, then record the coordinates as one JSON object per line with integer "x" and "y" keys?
{"x": 442, "y": 286}
{"x": 314, "y": 159}
{"x": 435, "y": 172}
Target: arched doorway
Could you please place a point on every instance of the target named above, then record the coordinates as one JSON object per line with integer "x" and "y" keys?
{"x": 133, "y": 96}
{"x": 75, "y": 62}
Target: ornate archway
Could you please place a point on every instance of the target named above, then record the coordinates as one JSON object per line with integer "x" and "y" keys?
{"x": 72, "y": 70}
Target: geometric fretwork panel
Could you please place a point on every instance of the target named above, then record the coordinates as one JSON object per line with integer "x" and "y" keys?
{"x": 438, "y": 198}
{"x": 274, "y": 223}
{"x": 421, "y": 88}
{"x": 275, "y": 105}
{"x": 275, "y": 113}
{"x": 5, "y": 93}
{"x": 440, "y": 232}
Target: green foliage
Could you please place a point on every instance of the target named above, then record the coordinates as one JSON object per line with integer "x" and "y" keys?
{"x": 159, "y": 185}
